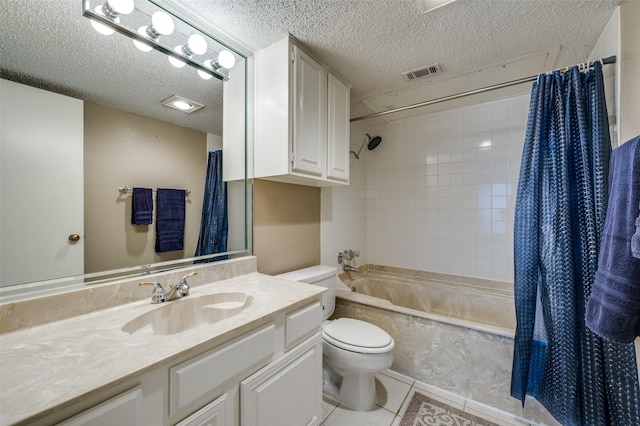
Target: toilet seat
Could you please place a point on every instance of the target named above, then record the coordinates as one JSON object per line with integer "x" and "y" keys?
{"x": 357, "y": 336}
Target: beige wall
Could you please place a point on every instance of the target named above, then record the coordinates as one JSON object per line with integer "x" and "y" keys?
{"x": 286, "y": 226}
{"x": 127, "y": 149}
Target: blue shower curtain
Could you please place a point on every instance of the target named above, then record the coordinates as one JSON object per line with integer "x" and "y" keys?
{"x": 560, "y": 209}
{"x": 214, "y": 221}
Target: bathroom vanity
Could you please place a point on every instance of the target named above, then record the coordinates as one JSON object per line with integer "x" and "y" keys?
{"x": 252, "y": 357}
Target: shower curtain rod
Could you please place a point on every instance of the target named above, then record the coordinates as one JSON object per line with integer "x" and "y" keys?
{"x": 604, "y": 61}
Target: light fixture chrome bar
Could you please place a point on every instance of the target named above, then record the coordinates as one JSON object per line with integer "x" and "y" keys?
{"x": 604, "y": 61}
{"x": 88, "y": 13}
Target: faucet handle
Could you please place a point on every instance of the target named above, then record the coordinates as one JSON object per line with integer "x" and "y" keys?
{"x": 184, "y": 286}
{"x": 158, "y": 292}
{"x": 189, "y": 275}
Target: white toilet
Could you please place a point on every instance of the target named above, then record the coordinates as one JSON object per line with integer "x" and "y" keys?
{"x": 352, "y": 350}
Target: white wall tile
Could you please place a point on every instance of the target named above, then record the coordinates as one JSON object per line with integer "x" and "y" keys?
{"x": 467, "y": 194}
{"x": 438, "y": 194}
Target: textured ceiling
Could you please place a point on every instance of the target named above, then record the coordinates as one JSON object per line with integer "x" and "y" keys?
{"x": 369, "y": 42}
{"x": 49, "y": 44}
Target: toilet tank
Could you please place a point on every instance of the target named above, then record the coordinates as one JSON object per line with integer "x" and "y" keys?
{"x": 321, "y": 275}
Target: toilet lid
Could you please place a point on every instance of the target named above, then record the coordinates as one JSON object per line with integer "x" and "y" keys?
{"x": 355, "y": 334}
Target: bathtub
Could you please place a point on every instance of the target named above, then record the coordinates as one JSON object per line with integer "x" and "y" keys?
{"x": 452, "y": 332}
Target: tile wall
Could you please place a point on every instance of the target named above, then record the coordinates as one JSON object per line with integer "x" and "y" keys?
{"x": 442, "y": 190}
{"x": 439, "y": 193}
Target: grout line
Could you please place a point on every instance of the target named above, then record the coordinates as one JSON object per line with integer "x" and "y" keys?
{"x": 404, "y": 400}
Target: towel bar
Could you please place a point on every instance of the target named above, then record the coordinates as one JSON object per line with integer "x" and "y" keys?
{"x": 124, "y": 189}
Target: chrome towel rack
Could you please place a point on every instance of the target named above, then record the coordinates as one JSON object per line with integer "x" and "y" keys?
{"x": 125, "y": 189}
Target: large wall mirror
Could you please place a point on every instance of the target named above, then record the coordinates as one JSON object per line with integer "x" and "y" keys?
{"x": 82, "y": 123}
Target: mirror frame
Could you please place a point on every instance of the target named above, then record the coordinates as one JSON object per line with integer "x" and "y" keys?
{"x": 22, "y": 291}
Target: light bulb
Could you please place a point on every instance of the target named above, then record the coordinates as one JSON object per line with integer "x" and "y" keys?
{"x": 162, "y": 23}
{"x": 226, "y": 59}
{"x": 182, "y": 105}
{"x": 140, "y": 45}
{"x": 178, "y": 63}
{"x": 197, "y": 44}
{"x": 99, "y": 26}
{"x": 206, "y": 75}
{"x": 123, "y": 7}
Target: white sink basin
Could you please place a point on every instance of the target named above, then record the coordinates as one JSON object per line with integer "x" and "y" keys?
{"x": 190, "y": 312}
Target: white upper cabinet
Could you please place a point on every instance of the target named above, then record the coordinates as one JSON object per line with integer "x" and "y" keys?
{"x": 301, "y": 119}
{"x": 309, "y": 115}
{"x": 338, "y": 130}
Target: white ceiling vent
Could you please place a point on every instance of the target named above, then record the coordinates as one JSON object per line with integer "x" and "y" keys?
{"x": 423, "y": 72}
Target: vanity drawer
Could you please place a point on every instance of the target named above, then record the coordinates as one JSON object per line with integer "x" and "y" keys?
{"x": 124, "y": 410}
{"x": 198, "y": 376}
{"x": 302, "y": 323}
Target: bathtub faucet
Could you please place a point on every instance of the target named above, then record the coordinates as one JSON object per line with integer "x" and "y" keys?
{"x": 349, "y": 268}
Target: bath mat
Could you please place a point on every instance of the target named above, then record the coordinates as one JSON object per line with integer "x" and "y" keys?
{"x": 424, "y": 411}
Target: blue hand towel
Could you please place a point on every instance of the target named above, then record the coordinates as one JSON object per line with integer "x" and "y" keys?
{"x": 142, "y": 206}
{"x": 170, "y": 220}
{"x": 613, "y": 309}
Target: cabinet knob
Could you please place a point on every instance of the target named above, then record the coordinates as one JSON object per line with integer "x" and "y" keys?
{"x": 74, "y": 237}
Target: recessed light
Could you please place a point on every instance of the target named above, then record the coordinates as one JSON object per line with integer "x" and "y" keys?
{"x": 430, "y": 5}
{"x": 182, "y": 104}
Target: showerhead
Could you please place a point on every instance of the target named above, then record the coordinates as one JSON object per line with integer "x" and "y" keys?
{"x": 372, "y": 143}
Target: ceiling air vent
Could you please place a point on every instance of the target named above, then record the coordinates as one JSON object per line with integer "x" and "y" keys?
{"x": 423, "y": 72}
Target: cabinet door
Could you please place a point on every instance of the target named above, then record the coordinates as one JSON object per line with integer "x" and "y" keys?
{"x": 338, "y": 130}
{"x": 309, "y": 115}
{"x": 212, "y": 414}
{"x": 287, "y": 392}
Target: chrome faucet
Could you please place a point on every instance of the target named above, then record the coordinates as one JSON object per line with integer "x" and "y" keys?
{"x": 349, "y": 268}
{"x": 181, "y": 289}
{"x": 158, "y": 292}
{"x": 346, "y": 256}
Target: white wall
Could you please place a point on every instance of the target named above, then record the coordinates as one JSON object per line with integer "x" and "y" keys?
{"x": 343, "y": 213}
{"x": 620, "y": 37}
{"x": 608, "y": 45}
{"x": 629, "y": 61}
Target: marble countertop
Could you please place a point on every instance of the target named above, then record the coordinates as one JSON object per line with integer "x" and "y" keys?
{"x": 58, "y": 363}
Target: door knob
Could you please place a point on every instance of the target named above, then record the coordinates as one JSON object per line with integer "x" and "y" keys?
{"x": 74, "y": 237}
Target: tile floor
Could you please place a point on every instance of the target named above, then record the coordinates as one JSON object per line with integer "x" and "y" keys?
{"x": 394, "y": 394}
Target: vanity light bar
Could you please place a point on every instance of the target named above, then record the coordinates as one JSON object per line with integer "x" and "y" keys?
{"x": 88, "y": 13}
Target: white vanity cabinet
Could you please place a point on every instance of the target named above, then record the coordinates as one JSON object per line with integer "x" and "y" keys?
{"x": 269, "y": 374}
{"x": 301, "y": 119}
{"x": 212, "y": 414}
{"x": 123, "y": 410}
{"x": 272, "y": 396}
